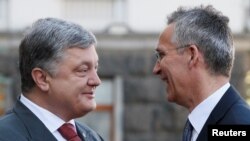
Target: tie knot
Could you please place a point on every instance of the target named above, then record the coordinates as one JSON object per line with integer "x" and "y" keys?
{"x": 67, "y": 130}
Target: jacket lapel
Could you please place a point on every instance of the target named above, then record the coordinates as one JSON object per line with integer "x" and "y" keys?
{"x": 81, "y": 133}
{"x": 230, "y": 97}
{"x": 87, "y": 134}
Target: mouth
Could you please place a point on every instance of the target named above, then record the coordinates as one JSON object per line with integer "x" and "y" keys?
{"x": 89, "y": 95}
{"x": 165, "y": 79}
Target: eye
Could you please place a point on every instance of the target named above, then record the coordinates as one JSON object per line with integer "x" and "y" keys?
{"x": 159, "y": 55}
{"x": 82, "y": 71}
{"x": 97, "y": 67}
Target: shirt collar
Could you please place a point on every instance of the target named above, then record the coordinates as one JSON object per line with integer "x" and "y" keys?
{"x": 201, "y": 112}
{"x": 50, "y": 120}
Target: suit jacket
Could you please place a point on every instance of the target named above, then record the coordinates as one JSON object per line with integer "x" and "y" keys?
{"x": 231, "y": 109}
{"x": 20, "y": 124}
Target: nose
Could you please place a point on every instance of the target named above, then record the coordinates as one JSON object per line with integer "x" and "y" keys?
{"x": 94, "y": 80}
{"x": 156, "y": 69}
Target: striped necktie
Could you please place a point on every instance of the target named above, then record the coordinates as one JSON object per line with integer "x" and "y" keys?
{"x": 187, "y": 133}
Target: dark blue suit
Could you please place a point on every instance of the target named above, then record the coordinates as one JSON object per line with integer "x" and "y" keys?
{"x": 231, "y": 109}
{"x": 22, "y": 125}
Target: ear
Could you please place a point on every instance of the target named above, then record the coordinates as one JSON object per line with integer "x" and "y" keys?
{"x": 193, "y": 56}
{"x": 40, "y": 78}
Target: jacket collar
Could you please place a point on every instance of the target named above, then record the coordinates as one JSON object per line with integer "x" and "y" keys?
{"x": 228, "y": 99}
{"x": 36, "y": 129}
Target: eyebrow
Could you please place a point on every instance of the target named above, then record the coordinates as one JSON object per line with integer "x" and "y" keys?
{"x": 88, "y": 63}
{"x": 158, "y": 50}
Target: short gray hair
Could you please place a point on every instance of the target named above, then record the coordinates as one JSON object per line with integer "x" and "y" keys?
{"x": 208, "y": 29}
{"x": 44, "y": 44}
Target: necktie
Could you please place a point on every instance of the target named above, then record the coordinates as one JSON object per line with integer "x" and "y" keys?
{"x": 68, "y": 132}
{"x": 187, "y": 134}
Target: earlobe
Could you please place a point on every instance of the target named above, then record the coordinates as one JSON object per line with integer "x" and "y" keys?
{"x": 40, "y": 78}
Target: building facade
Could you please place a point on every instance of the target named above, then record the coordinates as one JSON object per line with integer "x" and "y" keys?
{"x": 131, "y": 101}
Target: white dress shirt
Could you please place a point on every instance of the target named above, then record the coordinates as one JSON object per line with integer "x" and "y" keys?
{"x": 50, "y": 120}
{"x": 200, "y": 114}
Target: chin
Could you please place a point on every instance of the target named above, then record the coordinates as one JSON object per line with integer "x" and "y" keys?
{"x": 86, "y": 111}
{"x": 91, "y": 107}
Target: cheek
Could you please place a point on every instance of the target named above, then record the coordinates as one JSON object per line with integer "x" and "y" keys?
{"x": 64, "y": 86}
{"x": 79, "y": 81}
{"x": 165, "y": 67}
{"x": 76, "y": 86}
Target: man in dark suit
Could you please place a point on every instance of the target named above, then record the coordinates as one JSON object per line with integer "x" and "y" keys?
{"x": 195, "y": 55}
{"x": 58, "y": 67}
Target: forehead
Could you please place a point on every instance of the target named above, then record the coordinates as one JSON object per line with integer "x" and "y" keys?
{"x": 78, "y": 51}
{"x": 80, "y": 54}
{"x": 165, "y": 40}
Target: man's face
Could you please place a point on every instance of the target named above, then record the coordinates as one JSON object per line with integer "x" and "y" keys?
{"x": 171, "y": 67}
{"x": 72, "y": 88}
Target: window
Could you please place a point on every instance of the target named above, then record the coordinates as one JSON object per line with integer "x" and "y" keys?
{"x": 95, "y": 14}
{"x": 3, "y": 14}
{"x": 107, "y": 118}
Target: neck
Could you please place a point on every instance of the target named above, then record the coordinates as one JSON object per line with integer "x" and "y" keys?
{"x": 206, "y": 87}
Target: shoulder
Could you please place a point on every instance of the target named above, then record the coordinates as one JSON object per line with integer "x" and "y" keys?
{"x": 12, "y": 128}
{"x": 238, "y": 113}
{"x": 9, "y": 118}
{"x": 232, "y": 109}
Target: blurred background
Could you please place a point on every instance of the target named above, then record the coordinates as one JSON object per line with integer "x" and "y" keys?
{"x": 132, "y": 103}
